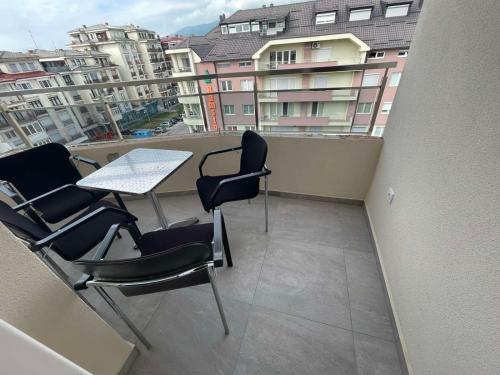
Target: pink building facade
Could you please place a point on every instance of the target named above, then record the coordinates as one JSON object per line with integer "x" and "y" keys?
{"x": 266, "y": 39}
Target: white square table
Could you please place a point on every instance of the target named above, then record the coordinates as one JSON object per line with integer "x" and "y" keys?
{"x": 139, "y": 172}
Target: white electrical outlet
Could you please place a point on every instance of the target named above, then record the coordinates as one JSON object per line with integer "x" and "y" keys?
{"x": 390, "y": 195}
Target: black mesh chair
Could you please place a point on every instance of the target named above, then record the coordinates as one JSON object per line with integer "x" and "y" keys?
{"x": 216, "y": 190}
{"x": 48, "y": 173}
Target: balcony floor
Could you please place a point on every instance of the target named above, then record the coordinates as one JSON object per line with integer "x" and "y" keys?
{"x": 306, "y": 298}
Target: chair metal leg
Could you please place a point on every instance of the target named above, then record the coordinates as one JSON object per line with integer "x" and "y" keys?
{"x": 266, "y": 189}
{"x": 211, "y": 275}
{"x": 124, "y": 317}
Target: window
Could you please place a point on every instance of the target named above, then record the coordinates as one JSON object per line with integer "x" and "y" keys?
{"x": 10, "y": 134}
{"x": 35, "y": 104}
{"x": 68, "y": 80}
{"x": 239, "y": 28}
{"x": 397, "y": 10}
{"x": 244, "y": 64}
{"x": 376, "y": 55}
{"x": 287, "y": 109}
{"x": 24, "y": 86}
{"x": 386, "y": 107}
{"x": 18, "y": 115}
{"x": 378, "y": 131}
{"x": 248, "y": 109}
{"x": 232, "y": 128}
{"x": 223, "y": 29}
{"x": 246, "y": 85}
{"x": 328, "y": 17}
{"x": 44, "y": 83}
{"x": 360, "y": 14}
{"x": 223, "y": 65}
{"x": 255, "y": 26}
{"x": 371, "y": 79}
{"x": 364, "y": 108}
{"x": 55, "y": 101}
{"x": 282, "y": 57}
{"x": 395, "y": 78}
{"x": 317, "y": 109}
{"x": 403, "y": 53}
{"x": 320, "y": 82}
{"x": 13, "y": 68}
{"x": 226, "y": 85}
{"x": 228, "y": 109}
{"x": 30, "y": 129}
{"x": 24, "y": 67}
{"x": 31, "y": 66}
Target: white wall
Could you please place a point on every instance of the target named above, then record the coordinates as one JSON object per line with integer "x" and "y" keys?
{"x": 439, "y": 240}
{"x": 35, "y": 301}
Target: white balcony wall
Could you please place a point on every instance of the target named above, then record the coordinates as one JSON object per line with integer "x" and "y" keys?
{"x": 438, "y": 241}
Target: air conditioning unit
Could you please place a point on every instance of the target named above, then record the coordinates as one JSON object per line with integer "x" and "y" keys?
{"x": 315, "y": 45}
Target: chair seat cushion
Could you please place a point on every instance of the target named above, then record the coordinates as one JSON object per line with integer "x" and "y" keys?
{"x": 161, "y": 240}
{"x": 233, "y": 191}
{"x": 83, "y": 239}
{"x": 67, "y": 202}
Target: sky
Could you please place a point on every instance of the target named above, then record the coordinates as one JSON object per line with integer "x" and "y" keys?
{"x": 49, "y": 20}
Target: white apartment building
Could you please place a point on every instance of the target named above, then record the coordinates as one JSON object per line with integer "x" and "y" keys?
{"x": 42, "y": 116}
{"x": 136, "y": 51}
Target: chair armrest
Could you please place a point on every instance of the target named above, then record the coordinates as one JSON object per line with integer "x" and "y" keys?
{"x": 85, "y": 160}
{"x": 226, "y": 181}
{"x": 61, "y": 232}
{"x": 217, "y": 244}
{"x": 100, "y": 254}
{"x": 215, "y": 152}
{"x": 28, "y": 203}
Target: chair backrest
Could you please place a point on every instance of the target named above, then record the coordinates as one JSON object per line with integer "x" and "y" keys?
{"x": 144, "y": 270}
{"x": 39, "y": 170}
{"x": 20, "y": 224}
{"x": 254, "y": 153}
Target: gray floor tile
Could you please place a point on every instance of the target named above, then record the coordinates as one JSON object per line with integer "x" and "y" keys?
{"x": 276, "y": 343}
{"x": 240, "y": 281}
{"x": 187, "y": 336}
{"x": 305, "y": 280}
{"x": 375, "y": 356}
{"x": 369, "y": 310}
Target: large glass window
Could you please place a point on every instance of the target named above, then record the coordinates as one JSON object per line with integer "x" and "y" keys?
{"x": 317, "y": 109}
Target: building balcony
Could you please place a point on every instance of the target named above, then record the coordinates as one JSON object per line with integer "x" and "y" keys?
{"x": 192, "y": 120}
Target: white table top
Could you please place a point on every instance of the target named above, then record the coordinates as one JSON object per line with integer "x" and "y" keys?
{"x": 137, "y": 172}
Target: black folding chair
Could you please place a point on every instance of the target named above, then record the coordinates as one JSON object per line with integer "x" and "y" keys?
{"x": 48, "y": 173}
{"x": 216, "y": 190}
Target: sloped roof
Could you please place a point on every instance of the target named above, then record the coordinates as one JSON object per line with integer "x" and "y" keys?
{"x": 378, "y": 32}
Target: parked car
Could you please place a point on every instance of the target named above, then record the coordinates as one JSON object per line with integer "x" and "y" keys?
{"x": 142, "y": 133}
{"x": 173, "y": 121}
{"x": 126, "y": 132}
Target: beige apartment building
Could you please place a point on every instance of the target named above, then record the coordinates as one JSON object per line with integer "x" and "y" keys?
{"x": 136, "y": 51}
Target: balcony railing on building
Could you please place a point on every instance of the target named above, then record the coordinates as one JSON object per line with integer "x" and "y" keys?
{"x": 301, "y": 109}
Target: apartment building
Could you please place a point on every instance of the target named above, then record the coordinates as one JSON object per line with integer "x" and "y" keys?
{"x": 136, "y": 51}
{"x": 302, "y": 35}
{"x": 42, "y": 117}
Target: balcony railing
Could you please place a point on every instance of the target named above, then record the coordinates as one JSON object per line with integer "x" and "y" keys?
{"x": 323, "y": 110}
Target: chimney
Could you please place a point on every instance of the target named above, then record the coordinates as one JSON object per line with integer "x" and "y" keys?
{"x": 271, "y": 5}
{"x": 107, "y": 24}
{"x": 222, "y": 17}
{"x": 84, "y": 26}
{"x": 263, "y": 6}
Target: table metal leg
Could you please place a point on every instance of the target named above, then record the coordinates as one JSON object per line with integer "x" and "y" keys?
{"x": 161, "y": 216}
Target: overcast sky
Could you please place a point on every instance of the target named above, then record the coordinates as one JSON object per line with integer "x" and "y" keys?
{"x": 49, "y": 20}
